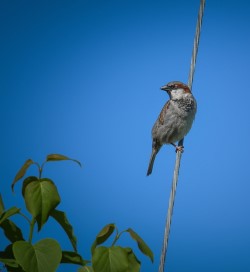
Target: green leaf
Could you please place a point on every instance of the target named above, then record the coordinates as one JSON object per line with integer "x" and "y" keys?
{"x": 27, "y": 181}
{"x": 7, "y": 257}
{"x": 61, "y": 218}
{"x": 9, "y": 262}
{"x": 85, "y": 269}
{"x": 58, "y": 157}
{"x": 11, "y": 231}
{"x": 22, "y": 172}
{"x": 43, "y": 256}
{"x": 103, "y": 235}
{"x": 73, "y": 258}
{"x": 1, "y": 205}
{"x": 41, "y": 197}
{"x": 14, "y": 269}
{"x": 8, "y": 213}
{"x": 112, "y": 259}
{"x": 134, "y": 263}
{"x": 141, "y": 244}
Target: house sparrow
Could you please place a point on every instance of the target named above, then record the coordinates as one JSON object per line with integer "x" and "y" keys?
{"x": 175, "y": 119}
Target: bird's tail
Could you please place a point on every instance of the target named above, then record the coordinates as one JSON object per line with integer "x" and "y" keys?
{"x": 152, "y": 159}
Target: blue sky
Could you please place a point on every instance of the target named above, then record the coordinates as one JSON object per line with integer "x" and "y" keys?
{"x": 83, "y": 78}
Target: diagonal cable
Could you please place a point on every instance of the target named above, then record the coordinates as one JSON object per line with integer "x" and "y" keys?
{"x": 179, "y": 154}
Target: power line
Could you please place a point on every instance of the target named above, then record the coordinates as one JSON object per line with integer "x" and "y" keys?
{"x": 179, "y": 154}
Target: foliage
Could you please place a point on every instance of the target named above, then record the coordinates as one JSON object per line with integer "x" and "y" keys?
{"x": 41, "y": 199}
{"x": 116, "y": 258}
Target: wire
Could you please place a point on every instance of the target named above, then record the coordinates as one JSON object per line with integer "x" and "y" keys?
{"x": 179, "y": 154}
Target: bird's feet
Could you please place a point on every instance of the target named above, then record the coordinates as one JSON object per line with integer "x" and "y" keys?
{"x": 179, "y": 148}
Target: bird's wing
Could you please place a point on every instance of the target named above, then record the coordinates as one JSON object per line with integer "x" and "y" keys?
{"x": 163, "y": 112}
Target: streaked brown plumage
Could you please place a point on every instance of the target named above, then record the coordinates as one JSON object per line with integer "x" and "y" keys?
{"x": 175, "y": 119}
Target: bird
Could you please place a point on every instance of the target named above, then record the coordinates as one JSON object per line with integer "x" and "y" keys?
{"x": 175, "y": 119}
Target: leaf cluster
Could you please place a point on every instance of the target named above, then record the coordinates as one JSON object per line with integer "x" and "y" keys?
{"x": 41, "y": 200}
{"x": 116, "y": 258}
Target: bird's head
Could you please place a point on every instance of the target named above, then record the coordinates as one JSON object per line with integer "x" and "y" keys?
{"x": 176, "y": 89}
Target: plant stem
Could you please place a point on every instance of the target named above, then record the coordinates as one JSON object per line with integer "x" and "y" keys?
{"x": 118, "y": 235}
{"x": 41, "y": 169}
{"x": 32, "y": 224}
{"x": 23, "y": 215}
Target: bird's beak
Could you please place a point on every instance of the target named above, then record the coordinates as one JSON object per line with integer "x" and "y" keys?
{"x": 166, "y": 88}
